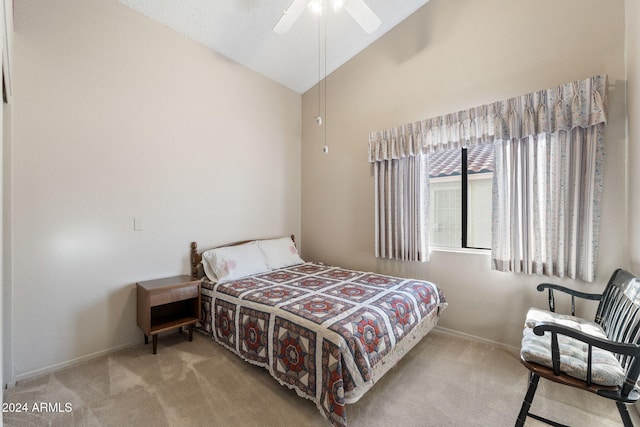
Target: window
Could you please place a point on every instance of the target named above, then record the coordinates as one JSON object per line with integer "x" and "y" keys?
{"x": 545, "y": 206}
{"x": 458, "y": 199}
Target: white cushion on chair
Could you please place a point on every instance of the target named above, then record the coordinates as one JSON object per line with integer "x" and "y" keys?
{"x": 535, "y": 315}
{"x": 605, "y": 368}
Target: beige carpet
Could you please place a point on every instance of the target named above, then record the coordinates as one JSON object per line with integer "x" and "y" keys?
{"x": 445, "y": 380}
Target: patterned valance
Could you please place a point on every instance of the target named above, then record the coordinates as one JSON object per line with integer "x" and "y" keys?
{"x": 577, "y": 104}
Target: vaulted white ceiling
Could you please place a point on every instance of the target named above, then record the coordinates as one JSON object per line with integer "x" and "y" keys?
{"x": 243, "y": 31}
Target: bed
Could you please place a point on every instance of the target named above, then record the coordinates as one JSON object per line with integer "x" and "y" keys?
{"x": 327, "y": 332}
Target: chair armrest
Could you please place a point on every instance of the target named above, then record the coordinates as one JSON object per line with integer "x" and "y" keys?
{"x": 625, "y": 349}
{"x": 552, "y": 302}
{"x": 542, "y": 286}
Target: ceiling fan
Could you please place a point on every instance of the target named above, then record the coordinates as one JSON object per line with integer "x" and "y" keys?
{"x": 358, "y": 9}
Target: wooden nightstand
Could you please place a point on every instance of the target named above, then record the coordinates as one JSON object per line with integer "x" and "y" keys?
{"x": 168, "y": 303}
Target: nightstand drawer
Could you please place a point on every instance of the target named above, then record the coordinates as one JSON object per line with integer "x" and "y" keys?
{"x": 178, "y": 294}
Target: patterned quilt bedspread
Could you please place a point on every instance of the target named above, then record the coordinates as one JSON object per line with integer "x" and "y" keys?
{"x": 327, "y": 332}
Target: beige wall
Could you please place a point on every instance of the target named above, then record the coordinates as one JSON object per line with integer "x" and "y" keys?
{"x": 115, "y": 118}
{"x": 6, "y": 38}
{"x": 2, "y": 37}
{"x": 448, "y": 56}
{"x": 633, "y": 108}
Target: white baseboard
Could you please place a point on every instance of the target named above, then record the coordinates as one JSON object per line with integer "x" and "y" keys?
{"x": 58, "y": 366}
{"x": 473, "y": 337}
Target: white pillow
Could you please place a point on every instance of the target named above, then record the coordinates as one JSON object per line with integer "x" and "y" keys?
{"x": 280, "y": 252}
{"x": 207, "y": 267}
{"x": 234, "y": 262}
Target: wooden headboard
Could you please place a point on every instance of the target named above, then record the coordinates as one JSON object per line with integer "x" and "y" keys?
{"x": 196, "y": 256}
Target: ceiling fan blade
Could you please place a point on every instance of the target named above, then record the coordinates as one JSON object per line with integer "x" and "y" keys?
{"x": 363, "y": 15}
{"x": 290, "y": 16}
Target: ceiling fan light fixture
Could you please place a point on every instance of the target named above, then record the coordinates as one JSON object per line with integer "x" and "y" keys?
{"x": 358, "y": 10}
{"x": 337, "y": 5}
{"x": 316, "y": 6}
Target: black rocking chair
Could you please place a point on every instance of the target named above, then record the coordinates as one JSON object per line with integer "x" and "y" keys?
{"x": 615, "y": 333}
